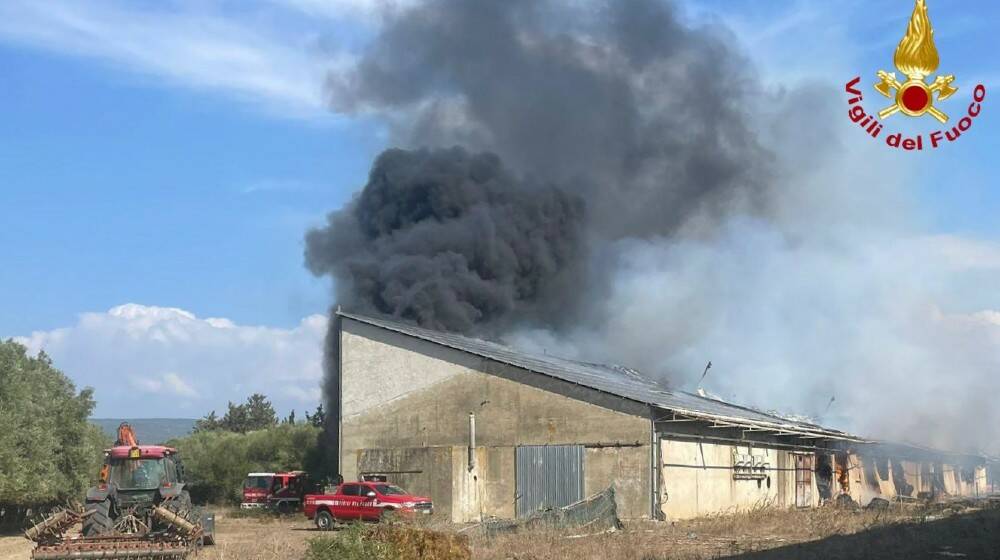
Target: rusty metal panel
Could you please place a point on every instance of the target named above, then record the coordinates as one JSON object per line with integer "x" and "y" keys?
{"x": 548, "y": 476}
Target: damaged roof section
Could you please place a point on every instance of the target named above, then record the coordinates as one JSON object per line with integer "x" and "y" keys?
{"x": 620, "y": 381}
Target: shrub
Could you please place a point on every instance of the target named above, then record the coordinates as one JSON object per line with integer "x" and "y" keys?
{"x": 411, "y": 543}
{"x": 353, "y": 543}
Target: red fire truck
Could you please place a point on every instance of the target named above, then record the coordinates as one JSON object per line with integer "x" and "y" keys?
{"x": 281, "y": 491}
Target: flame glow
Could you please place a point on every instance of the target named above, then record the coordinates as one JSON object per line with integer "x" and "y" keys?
{"x": 916, "y": 55}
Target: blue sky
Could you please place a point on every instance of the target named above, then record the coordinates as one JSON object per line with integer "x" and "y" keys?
{"x": 126, "y": 191}
{"x": 171, "y": 155}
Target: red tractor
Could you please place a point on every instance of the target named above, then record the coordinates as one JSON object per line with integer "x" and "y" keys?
{"x": 139, "y": 508}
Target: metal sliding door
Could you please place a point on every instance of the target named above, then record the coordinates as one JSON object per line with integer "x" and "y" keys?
{"x": 548, "y": 476}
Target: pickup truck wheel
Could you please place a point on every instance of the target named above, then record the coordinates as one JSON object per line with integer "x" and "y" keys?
{"x": 324, "y": 521}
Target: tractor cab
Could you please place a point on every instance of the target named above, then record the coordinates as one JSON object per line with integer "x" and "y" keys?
{"x": 140, "y": 474}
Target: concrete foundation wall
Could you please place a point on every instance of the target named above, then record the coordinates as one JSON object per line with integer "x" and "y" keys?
{"x": 698, "y": 479}
{"x": 627, "y": 469}
{"x": 406, "y": 413}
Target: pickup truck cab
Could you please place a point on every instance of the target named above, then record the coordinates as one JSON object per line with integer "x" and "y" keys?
{"x": 364, "y": 501}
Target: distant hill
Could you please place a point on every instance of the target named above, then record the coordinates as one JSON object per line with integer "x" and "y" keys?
{"x": 148, "y": 430}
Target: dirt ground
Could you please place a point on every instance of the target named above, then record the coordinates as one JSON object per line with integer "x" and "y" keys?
{"x": 938, "y": 533}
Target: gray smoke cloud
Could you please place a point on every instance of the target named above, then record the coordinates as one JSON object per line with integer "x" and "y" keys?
{"x": 704, "y": 216}
{"x": 617, "y": 99}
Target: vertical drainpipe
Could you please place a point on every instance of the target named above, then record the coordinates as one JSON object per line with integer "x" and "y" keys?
{"x": 654, "y": 468}
{"x": 472, "y": 441}
{"x": 340, "y": 392}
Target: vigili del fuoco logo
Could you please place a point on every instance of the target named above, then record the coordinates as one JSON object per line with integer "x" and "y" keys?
{"x": 916, "y": 58}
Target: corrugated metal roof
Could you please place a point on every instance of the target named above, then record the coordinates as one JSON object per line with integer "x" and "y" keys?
{"x": 613, "y": 379}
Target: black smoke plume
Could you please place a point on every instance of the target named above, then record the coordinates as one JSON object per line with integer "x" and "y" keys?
{"x": 452, "y": 241}
{"x": 613, "y": 120}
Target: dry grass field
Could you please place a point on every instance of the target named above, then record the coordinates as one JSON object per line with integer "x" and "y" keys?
{"x": 938, "y": 533}
{"x": 772, "y": 535}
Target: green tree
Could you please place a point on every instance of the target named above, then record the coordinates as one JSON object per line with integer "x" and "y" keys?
{"x": 317, "y": 418}
{"x": 291, "y": 417}
{"x": 255, "y": 414}
{"x": 235, "y": 419}
{"x": 260, "y": 413}
{"x": 207, "y": 423}
{"x": 49, "y": 452}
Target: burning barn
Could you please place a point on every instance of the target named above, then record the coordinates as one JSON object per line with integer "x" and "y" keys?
{"x": 489, "y": 431}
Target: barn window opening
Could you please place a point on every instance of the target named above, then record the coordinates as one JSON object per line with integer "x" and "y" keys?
{"x": 843, "y": 472}
{"x": 903, "y": 488}
{"x": 824, "y": 476}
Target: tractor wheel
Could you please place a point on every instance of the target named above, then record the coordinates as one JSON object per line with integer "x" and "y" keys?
{"x": 181, "y": 504}
{"x": 183, "y": 500}
{"x": 99, "y": 521}
{"x": 324, "y": 521}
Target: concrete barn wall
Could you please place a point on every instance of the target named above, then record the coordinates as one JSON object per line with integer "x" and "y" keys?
{"x": 406, "y": 409}
{"x": 867, "y": 484}
{"x": 697, "y": 479}
{"x": 865, "y": 481}
{"x": 991, "y": 476}
{"x": 982, "y": 483}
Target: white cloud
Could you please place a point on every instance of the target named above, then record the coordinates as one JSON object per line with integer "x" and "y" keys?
{"x": 338, "y": 9}
{"x": 305, "y": 395}
{"x": 169, "y": 384}
{"x": 160, "y": 361}
{"x": 280, "y": 69}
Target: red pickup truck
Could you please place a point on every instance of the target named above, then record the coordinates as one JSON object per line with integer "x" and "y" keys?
{"x": 366, "y": 501}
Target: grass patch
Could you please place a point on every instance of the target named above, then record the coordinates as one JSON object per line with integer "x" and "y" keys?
{"x": 388, "y": 542}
